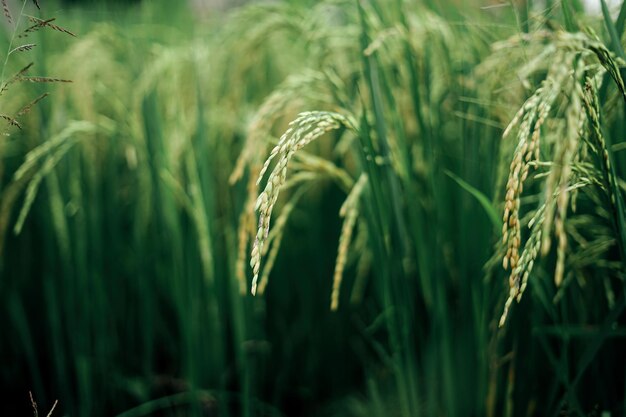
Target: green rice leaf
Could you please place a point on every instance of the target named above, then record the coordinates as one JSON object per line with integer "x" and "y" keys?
{"x": 570, "y": 24}
{"x": 481, "y": 198}
{"x": 621, "y": 18}
{"x": 616, "y": 45}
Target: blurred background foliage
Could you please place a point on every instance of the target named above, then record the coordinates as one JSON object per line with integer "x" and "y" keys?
{"x": 123, "y": 195}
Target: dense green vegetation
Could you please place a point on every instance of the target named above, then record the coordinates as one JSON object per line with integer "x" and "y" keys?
{"x": 413, "y": 149}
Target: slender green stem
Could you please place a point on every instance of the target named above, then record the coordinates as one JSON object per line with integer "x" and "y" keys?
{"x": 10, "y": 47}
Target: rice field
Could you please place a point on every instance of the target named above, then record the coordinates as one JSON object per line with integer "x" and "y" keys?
{"x": 308, "y": 208}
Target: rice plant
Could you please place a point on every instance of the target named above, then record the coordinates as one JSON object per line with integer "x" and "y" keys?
{"x": 375, "y": 207}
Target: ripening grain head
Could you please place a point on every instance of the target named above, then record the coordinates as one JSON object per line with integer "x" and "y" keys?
{"x": 557, "y": 99}
{"x": 350, "y": 212}
{"x": 302, "y": 131}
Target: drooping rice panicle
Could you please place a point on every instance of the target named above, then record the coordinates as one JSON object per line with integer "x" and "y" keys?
{"x": 275, "y": 239}
{"x": 558, "y": 100}
{"x": 304, "y": 129}
{"x": 530, "y": 118}
{"x": 350, "y": 212}
{"x": 519, "y": 275}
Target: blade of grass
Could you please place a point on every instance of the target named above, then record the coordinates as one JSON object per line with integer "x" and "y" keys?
{"x": 486, "y": 204}
{"x": 616, "y": 44}
{"x": 568, "y": 17}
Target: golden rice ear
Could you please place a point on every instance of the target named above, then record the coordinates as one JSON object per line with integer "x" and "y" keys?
{"x": 573, "y": 56}
{"x": 518, "y": 278}
{"x": 528, "y": 121}
{"x": 303, "y": 130}
{"x": 275, "y": 239}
